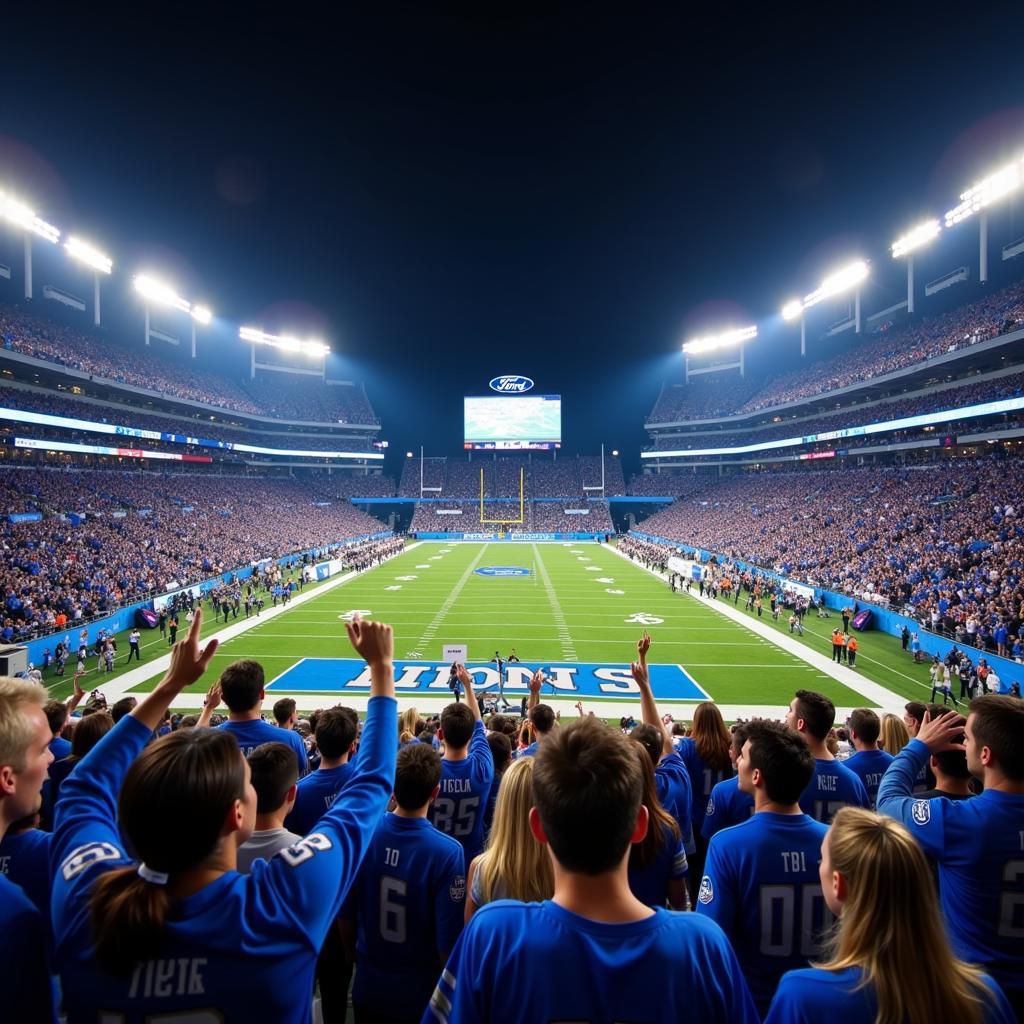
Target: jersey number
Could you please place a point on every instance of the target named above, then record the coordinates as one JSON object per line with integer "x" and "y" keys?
{"x": 457, "y": 818}
{"x": 392, "y": 914}
{"x": 778, "y": 911}
{"x": 826, "y": 810}
{"x": 1011, "y": 904}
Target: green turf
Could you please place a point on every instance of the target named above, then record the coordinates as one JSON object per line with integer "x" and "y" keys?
{"x": 561, "y": 612}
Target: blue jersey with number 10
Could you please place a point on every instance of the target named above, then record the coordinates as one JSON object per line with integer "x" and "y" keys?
{"x": 244, "y": 947}
{"x": 465, "y": 786}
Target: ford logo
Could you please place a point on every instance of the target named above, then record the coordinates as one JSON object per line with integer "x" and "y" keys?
{"x": 511, "y": 384}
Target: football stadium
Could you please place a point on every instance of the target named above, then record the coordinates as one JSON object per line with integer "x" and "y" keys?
{"x": 439, "y": 584}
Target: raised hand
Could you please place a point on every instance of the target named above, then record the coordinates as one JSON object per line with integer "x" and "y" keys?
{"x": 188, "y": 662}
{"x": 373, "y": 641}
{"x": 537, "y": 681}
{"x": 643, "y": 645}
{"x": 943, "y": 732}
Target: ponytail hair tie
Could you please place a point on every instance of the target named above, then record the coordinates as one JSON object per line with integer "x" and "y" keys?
{"x": 149, "y": 875}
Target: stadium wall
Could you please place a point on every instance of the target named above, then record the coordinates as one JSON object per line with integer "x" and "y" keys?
{"x": 883, "y": 619}
{"x": 124, "y": 618}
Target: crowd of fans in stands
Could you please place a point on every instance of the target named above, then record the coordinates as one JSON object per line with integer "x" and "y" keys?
{"x": 876, "y": 355}
{"x": 141, "y": 533}
{"x": 538, "y": 517}
{"x": 279, "y": 396}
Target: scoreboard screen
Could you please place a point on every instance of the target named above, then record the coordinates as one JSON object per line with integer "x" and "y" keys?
{"x": 513, "y": 422}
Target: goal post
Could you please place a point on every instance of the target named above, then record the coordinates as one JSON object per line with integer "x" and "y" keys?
{"x": 504, "y": 520}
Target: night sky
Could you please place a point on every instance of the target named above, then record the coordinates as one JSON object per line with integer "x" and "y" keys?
{"x": 450, "y": 193}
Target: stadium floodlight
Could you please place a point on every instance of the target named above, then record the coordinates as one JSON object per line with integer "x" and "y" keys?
{"x": 201, "y": 314}
{"x": 987, "y": 191}
{"x": 916, "y": 238}
{"x": 792, "y": 309}
{"x": 162, "y": 294}
{"x": 22, "y": 216}
{"x": 835, "y": 284}
{"x": 89, "y": 255}
{"x": 285, "y": 342}
{"x": 726, "y": 339}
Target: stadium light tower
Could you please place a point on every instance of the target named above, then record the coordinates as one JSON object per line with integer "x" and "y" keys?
{"x": 917, "y": 238}
{"x": 979, "y": 197}
{"x": 284, "y": 342}
{"x": 852, "y": 275}
{"x": 23, "y": 217}
{"x": 85, "y": 253}
{"x": 732, "y": 338}
{"x": 161, "y": 294}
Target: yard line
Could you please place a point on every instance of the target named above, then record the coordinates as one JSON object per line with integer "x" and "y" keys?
{"x": 568, "y": 648}
{"x": 428, "y": 633}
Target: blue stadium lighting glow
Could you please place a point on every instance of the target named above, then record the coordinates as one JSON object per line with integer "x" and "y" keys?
{"x": 68, "y": 423}
{"x": 906, "y": 422}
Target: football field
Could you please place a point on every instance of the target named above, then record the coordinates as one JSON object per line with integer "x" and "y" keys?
{"x": 575, "y": 610}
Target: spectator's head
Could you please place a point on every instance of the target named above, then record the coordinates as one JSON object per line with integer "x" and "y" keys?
{"x": 661, "y": 826}
{"x": 542, "y": 718}
{"x": 913, "y": 716}
{"x": 894, "y": 735}
{"x": 407, "y": 722}
{"x": 811, "y": 714}
{"x": 241, "y": 685}
{"x": 122, "y": 707}
{"x": 710, "y": 735}
{"x": 89, "y": 731}
{"x": 196, "y": 776}
{"x": 739, "y": 737}
{"x": 865, "y": 728}
{"x": 651, "y": 739}
{"x": 284, "y": 712}
{"x": 876, "y": 880}
{"x": 995, "y": 738}
{"x": 274, "y": 777}
{"x": 56, "y": 712}
{"x": 588, "y": 791}
{"x": 336, "y": 730}
{"x": 776, "y": 762}
{"x": 417, "y": 776}
{"x": 457, "y": 723}
{"x": 501, "y": 750}
{"x": 188, "y": 722}
{"x": 25, "y": 756}
{"x": 515, "y": 865}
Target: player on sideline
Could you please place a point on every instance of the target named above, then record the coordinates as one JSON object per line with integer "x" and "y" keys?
{"x": 728, "y": 805}
{"x": 978, "y": 844}
{"x": 890, "y": 959}
{"x": 593, "y": 952}
{"x": 467, "y": 771}
{"x": 25, "y": 756}
{"x": 869, "y": 762}
{"x": 408, "y": 900}
{"x": 182, "y": 934}
{"x": 833, "y": 785}
{"x": 761, "y": 879}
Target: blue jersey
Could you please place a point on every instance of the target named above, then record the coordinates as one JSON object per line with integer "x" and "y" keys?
{"x": 761, "y": 885}
{"x": 315, "y": 797}
{"x": 492, "y": 802}
{"x": 465, "y": 786}
{"x": 672, "y": 781}
{"x": 833, "y": 786}
{"x": 869, "y": 766}
{"x": 530, "y": 751}
{"x": 25, "y": 860}
{"x": 60, "y": 748}
{"x": 703, "y": 779}
{"x": 812, "y": 995}
{"x": 728, "y": 806}
{"x": 244, "y": 945}
{"x": 251, "y": 734}
{"x": 409, "y": 901}
{"x": 28, "y": 990}
{"x": 978, "y": 845}
{"x": 650, "y": 884}
{"x": 539, "y": 962}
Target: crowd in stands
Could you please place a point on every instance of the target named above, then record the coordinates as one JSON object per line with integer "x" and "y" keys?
{"x": 874, "y": 356}
{"x": 945, "y": 542}
{"x": 538, "y": 517}
{"x": 514, "y": 870}
{"x": 1010, "y": 386}
{"x": 542, "y": 477}
{"x": 279, "y": 396}
{"x": 108, "y": 538}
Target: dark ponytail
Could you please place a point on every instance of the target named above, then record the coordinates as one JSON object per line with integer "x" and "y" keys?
{"x": 172, "y": 807}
